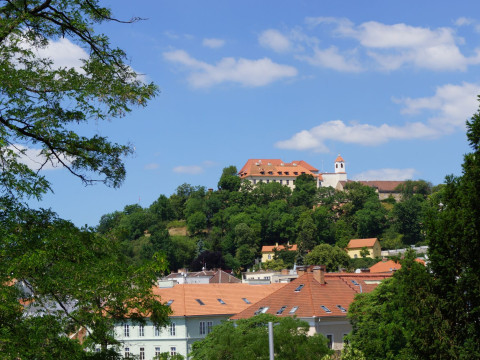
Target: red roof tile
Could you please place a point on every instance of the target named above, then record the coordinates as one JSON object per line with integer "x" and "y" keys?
{"x": 268, "y": 248}
{"x": 337, "y": 290}
{"x": 262, "y": 167}
{"x": 360, "y": 243}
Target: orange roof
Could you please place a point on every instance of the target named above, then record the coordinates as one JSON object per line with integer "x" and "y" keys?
{"x": 339, "y": 159}
{"x": 386, "y": 266}
{"x": 383, "y": 186}
{"x": 185, "y": 304}
{"x": 337, "y": 290}
{"x": 360, "y": 243}
{"x": 276, "y": 167}
{"x": 279, "y": 247}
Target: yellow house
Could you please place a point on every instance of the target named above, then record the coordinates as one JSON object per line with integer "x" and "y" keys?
{"x": 269, "y": 251}
{"x": 355, "y": 246}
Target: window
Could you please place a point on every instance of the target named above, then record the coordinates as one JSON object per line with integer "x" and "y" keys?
{"x": 281, "y": 310}
{"x": 281, "y": 182}
{"x": 326, "y": 309}
{"x": 299, "y": 287}
{"x": 157, "y": 351}
{"x": 330, "y": 341}
{"x": 98, "y": 349}
{"x": 341, "y": 308}
{"x": 221, "y": 301}
{"x": 209, "y": 327}
{"x": 127, "y": 352}
{"x": 141, "y": 330}
{"x": 246, "y": 300}
{"x": 202, "y": 328}
{"x": 355, "y": 283}
{"x": 288, "y": 182}
{"x": 268, "y": 181}
{"x": 341, "y": 165}
{"x": 126, "y": 330}
{"x": 355, "y": 256}
{"x": 336, "y": 166}
{"x": 269, "y": 257}
{"x": 254, "y": 181}
{"x": 200, "y": 302}
{"x": 169, "y": 302}
{"x": 173, "y": 350}
{"x": 261, "y": 310}
{"x": 142, "y": 353}
{"x": 172, "y": 329}
{"x": 157, "y": 331}
{"x": 294, "y": 309}
{"x": 265, "y": 309}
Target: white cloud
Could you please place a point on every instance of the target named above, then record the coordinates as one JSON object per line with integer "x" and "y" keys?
{"x": 151, "y": 166}
{"x": 385, "y": 174}
{"x": 213, "y": 43}
{"x": 397, "y": 45}
{"x": 275, "y": 40}
{"x": 64, "y": 53}
{"x": 192, "y": 169}
{"x": 449, "y": 108}
{"x": 246, "y": 72}
{"x": 463, "y": 21}
{"x": 331, "y": 59}
{"x": 35, "y": 159}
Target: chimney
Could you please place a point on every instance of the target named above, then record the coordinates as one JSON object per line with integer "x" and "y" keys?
{"x": 301, "y": 270}
{"x": 319, "y": 273}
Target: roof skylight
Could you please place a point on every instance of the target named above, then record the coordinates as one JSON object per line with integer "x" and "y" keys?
{"x": 246, "y": 300}
{"x": 355, "y": 283}
{"x": 300, "y": 287}
{"x": 221, "y": 301}
{"x": 200, "y": 302}
{"x": 327, "y": 310}
{"x": 169, "y": 302}
{"x": 341, "y": 308}
{"x": 282, "y": 309}
{"x": 294, "y": 309}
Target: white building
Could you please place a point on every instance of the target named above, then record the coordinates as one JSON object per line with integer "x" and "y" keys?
{"x": 196, "y": 309}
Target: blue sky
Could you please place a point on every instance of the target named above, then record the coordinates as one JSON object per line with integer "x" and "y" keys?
{"x": 386, "y": 84}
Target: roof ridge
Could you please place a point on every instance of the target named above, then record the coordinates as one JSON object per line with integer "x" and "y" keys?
{"x": 310, "y": 291}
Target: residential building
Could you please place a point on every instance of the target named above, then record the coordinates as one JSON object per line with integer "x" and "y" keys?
{"x": 389, "y": 266}
{"x": 268, "y": 251}
{"x": 201, "y": 277}
{"x": 196, "y": 309}
{"x": 384, "y": 189}
{"x": 355, "y": 247}
{"x": 268, "y": 276}
{"x": 321, "y": 299}
{"x": 276, "y": 170}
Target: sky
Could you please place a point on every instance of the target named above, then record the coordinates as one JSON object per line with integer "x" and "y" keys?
{"x": 386, "y": 84}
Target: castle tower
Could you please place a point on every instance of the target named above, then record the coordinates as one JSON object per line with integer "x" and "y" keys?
{"x": 339, "y": 165}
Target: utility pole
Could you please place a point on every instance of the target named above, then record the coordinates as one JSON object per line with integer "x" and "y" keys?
{"x": 270, "y": 340}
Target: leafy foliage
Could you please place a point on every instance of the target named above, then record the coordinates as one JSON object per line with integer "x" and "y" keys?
{"x": 248, "y": 339}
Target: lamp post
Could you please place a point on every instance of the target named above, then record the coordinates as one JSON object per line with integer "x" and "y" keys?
{"x": 270, "y": 340}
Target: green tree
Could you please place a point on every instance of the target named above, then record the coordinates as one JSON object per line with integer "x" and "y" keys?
{"x": 248, "y": 339}
{"x": 305, "y": 191}
{"x": 229, "y": 180}
{"x": 332, "y": 257}
{"x": 44, "y": 260}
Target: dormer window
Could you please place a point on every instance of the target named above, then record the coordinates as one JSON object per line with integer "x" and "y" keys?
{"x": 295, "y": 172}
{"x": 286, "y": 173}
{"x": 270, "y": 173}
{"x": 262, "y": 172}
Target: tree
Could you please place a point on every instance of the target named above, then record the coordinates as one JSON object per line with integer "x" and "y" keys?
{"x": 331, "y": 256}
{"x": 74, "y": 277}
{"x": 248, "y": 339}
{"x": 229, "y": 180}
{"x": 304, "y": 192}
{"x": 394, "y": 320}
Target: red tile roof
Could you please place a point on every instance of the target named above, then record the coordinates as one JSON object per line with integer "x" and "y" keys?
{"x": 276, "y": 167}
{"x": 386, "y": 266}
{"x": 185, "y": 304}
{"x": 360, "y": 243}
{"x": 383, "y": 186}
{"x": 339, "y": 159}
{"x": 337, "y": 290}
{"x": 279, "y": 247}
{"x": 221, "y": 277}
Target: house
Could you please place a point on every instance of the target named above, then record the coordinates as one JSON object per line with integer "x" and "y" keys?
{"x": 196, "y": 309}
{"x": 355, "y": 246}
{"x": 276, "y": 170}
{"x": 201, "y": 277}
{"x": 384, "y": 189}
{"x": 268, "y": 276}
{"x": 268, "y": 252}
{"x": 389, "y": 266}
{"x": 319, "y": 298}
